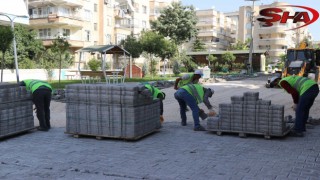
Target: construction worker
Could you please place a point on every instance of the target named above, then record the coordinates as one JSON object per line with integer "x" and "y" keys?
{"x": 157, "y": 94}
{"x": 41, "y": 97}
{"x": 192, "y": 95}
{"x": 303, "y": 91}
{"x": 188, "y": 79}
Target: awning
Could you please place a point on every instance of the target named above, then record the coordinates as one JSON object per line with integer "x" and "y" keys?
{"x": 104, "y": 49}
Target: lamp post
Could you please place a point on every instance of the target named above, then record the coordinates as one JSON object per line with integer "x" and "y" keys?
{"x": 251, "y": 34}
{"x": 14, "y": 42}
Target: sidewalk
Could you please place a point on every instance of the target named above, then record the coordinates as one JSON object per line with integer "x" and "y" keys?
{"x": 174, "y": 152}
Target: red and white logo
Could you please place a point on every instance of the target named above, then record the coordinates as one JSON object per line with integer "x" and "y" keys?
{"x": 276, "y": 14}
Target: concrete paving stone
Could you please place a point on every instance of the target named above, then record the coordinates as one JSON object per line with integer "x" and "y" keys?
{"x": 175, "y": 152}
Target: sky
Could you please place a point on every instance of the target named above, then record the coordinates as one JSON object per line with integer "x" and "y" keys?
{"x": 233, "y": 5}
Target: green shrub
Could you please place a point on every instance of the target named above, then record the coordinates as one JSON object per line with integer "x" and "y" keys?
{"x": 94, "y": 64}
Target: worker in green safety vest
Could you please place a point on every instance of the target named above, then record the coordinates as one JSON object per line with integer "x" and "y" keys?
{"x": 191, "y": 95}
{"x": 303, "y": 91}
{"x": 191, "y": 78}
{"x": 157, "y": 94}
{"x": 41, "y": 97}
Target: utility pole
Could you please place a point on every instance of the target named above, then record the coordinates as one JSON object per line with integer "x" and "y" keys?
{"x": 251, "y": 41}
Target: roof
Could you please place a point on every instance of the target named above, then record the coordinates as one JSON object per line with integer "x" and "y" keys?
{"x": 108, "y": 49}
{"x": 222, "y": 52}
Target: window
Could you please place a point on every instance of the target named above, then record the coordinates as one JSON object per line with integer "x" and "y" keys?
{"x": 284, "y": 47}
{"x": 66, "y": 32}
{"x": 95, "y": 42}
{"x": 144, "y": 24}
{"x": 144, "y": 9}
{"x": 87, "y": 38}
{"x": 248, "y": 14}
{"x": 95, "y": 8}
{"x": 95, "y": 26}
{"x": 136, "y": 7}
{"x": 108, "y": 38}
{"x": 248, "y": 25}
{"x": 87, "y": 15}
{"x": 45, "y": 33}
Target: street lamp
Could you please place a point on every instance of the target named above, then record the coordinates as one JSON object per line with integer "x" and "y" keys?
{"x": 251, "y": 41}
{"x": 14, "y": 42}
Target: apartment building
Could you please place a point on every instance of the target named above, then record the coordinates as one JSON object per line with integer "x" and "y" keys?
{"x": 156, "y": 6}
{"x": 275, "y": 40}
{"x": 216, "y": 30}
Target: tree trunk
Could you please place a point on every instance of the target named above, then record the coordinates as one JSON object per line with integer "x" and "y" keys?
{"x": 60, "y": 69}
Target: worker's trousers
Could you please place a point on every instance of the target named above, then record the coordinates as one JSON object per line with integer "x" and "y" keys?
{"x": 41, "y": 99}
{"x": 305, "y": 102}
{"x": 184, "y": 99}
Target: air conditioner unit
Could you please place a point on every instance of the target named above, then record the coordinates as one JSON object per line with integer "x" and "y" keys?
{"x": 106, "y": 1}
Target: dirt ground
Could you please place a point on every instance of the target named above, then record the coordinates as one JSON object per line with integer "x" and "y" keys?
{"x": 223, "y": 93}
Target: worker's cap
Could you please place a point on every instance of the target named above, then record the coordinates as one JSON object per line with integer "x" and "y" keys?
{"x": 198, "y": 71}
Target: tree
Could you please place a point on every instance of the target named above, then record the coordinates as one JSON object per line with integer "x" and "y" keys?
{"x": 228, "y": 58}
{"x": 198, "y": 45}
{"x": 6, "y": 37}
{"x": 29, "y": 48}
{"x": 212, "y": 61}
{"x": 58, "y": 55}
{"x": 187, "y": 61}
{"x": 177, "y": 22}
{"x": 133, "y": 46}
{"x": 154, "y": 44}
{"x": 241, "y": 45}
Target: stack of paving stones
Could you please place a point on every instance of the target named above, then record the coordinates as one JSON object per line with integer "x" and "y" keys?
{"x": 16, "y": 114}
{"x": 251, "y": 115}
{"x": 115, "y": 111}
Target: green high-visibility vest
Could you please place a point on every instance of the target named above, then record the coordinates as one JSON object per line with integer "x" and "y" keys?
{"x": 186, "y": 81}
{"x": 196, "y": 90}
{"x": 154, "y": 91}
{"x": 32, "y": 85}
{"x": 301, "y": 84}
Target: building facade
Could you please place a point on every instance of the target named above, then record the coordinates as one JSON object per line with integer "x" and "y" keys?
{"x": 216, "y": 30}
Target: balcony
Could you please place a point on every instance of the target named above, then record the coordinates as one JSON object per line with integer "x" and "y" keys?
{"x": 72, "y": 3}
{"x": 74, "y": 42}
{"x": 208, "y": 13}
{"x": 272, "y": 29}
{"x": 55, "y": 20}
{"x": 207, "y": 23}
{"x": 207, "y": 33}
{"x": 274, "y": 41}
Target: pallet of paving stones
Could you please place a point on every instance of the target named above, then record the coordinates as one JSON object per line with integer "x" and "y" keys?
{"x": 100, "y": 137}
{"x": 16, "y": 110}
{"x": 114, "y": 111}
{"x": 248, "y": 114}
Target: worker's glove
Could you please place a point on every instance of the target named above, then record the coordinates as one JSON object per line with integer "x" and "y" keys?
{"x": 294, "y": 107}
{"x": 161, "y": 119}
{"x": 212, "y": 112}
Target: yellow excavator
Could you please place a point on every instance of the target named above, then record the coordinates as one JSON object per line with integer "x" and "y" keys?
{"x": 302, "y": 61}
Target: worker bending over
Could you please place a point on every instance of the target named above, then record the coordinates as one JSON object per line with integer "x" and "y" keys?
{"x": 303, "y": 91}
{"x": 192, "y": 95}
{"x": 41, "y": 97}
{"x": 188, "y": 79}
{"x": 157, "y": 94}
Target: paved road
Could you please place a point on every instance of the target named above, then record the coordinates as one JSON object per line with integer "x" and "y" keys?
{"x": 174, "y": 152}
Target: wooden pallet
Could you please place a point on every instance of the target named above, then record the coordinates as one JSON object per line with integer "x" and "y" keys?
{"x": 17, "y": 133}
{"x": 100, "y": 137}
{"x": 243, "y": 134}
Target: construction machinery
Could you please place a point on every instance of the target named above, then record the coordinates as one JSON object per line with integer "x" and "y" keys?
{"x": 302, "y": 61}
